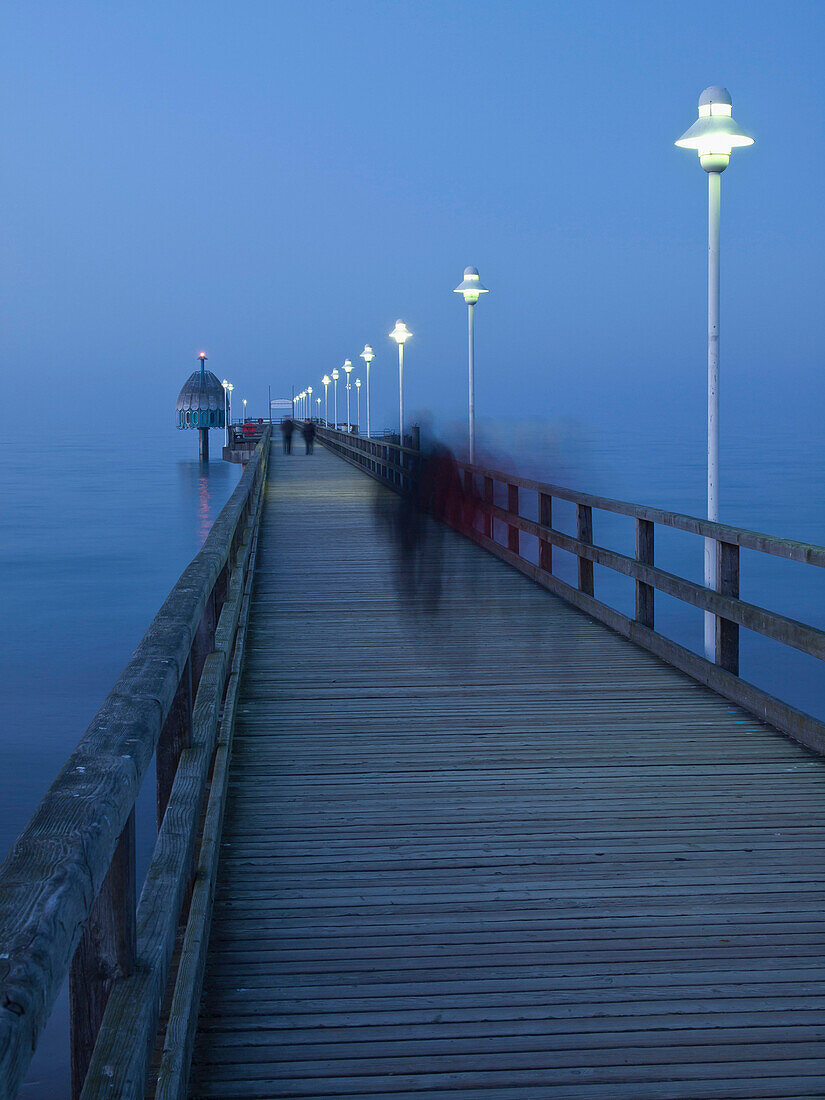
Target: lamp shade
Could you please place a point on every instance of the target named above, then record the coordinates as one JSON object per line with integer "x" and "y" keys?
{"x": 347, "y": 366}
{"x": 715, "y": 133}
{"x": 400, "y": 333}
{"x": 367, "y": 354}
{"x": 471, "y": 286}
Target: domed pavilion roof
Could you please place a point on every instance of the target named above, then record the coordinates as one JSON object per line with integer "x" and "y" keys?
{"x": 202, "y": 390}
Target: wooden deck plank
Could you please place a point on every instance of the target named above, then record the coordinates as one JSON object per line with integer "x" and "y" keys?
{"x": 490, "y": 849}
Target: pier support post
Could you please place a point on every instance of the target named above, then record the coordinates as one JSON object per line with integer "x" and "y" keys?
{"x": 546, "y": 520}
{"x": 203, "y": 444}
{"x": 512, "y": 506}
{"x": 727, "y": 633}
{"x": 644, "y": 555}
{"x": 105, "y": 954}
{"x": 584, "y": 532}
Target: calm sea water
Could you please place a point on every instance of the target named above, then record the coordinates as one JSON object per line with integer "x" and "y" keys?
{"x": 95, "y": 535}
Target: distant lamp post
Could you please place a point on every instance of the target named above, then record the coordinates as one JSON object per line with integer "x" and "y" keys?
{"x": 225, "y": 384}
{"x": 326, "y": 381}
{"x": 400, "y": 334}
{"x": 229, "y": 390}
{"x": 358, "y": 391}
{"x": 335, "y": 377}
{"x": 471, "y": 287}
{"x": 309, "y": 402}
{"x": 368, "y": 355}
{"x": 713, "y": 136}
{"x": 318, "y": 403}
{"x": 348, "y": 369}
{"x": 244, "y": 410}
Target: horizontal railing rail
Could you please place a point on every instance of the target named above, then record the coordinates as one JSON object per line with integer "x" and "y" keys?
{"x": 730, "y": 611}
{"x": 68, "y": 898}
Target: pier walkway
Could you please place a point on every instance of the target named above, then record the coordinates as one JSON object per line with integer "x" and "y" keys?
{"x": 485, "y": 847}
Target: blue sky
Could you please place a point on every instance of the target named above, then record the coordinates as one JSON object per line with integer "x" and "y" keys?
{"x": 278, "y": 182}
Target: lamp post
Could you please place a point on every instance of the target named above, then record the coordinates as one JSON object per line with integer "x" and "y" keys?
{"x": 326, "y": 380}
{"x": 229, "y": 390}
{"x": 318, "y": 403}
{"x": 713, "y": 136}
{"x": 225, "y": 384}
{"x": 335, "y": 377}
{"x": 471, "y": 287}
{"x": 309, "y": 402}
{"x": 244, "y": 410}
{"x": 368, "y": 355}
{"x": 400, "y": 333}
{"x": 348, "y": 369}
{"x": 358, "y": 391}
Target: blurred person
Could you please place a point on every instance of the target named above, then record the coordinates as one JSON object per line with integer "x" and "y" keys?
{"x": 287, "y": 428}
{"x": 309, "y": 435}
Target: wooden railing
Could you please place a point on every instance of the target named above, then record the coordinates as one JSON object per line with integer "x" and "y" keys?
{"x": 68, "y": 899}
{"x": 730, "y": 611}
{"x": 388, "y": 462}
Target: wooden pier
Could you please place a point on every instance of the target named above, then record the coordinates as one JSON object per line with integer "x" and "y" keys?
{"x": 459, "y": 838}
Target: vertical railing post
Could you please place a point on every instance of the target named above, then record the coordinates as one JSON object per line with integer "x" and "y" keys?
{"x": 644, "y": 555}
{"x": 105, "y": 954}
{"x": 469, "y": 517}
{"x": 489, "y": 522}
{"x": 175, "y": 736}
{"x": 584, "y": 533}
{"x": 546, "y": 520}
{"x": 727, "y": 632}
{"x": 204, "y": 642}
{"x": 512, "y": 507}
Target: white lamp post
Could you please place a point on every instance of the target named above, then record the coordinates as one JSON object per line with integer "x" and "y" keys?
{"x": 400, "y": 333}
{"x": 309, "y": 402}
{"x": 225, "y": 385}
{"x": 326, "y": 381}
{"x": 318, "y": 403}
{"x": 348, "y": 369}
{"x": 244, "y": 410}
{"x": 471, "y": 287}
{"x": 368, "y": 355}
{"x": 713, "y": 136}
{"x": 358, "y": 391}
{"x": 335, "y": 377}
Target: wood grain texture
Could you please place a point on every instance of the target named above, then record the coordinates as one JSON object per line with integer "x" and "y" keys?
{"x": 488, "y": 848}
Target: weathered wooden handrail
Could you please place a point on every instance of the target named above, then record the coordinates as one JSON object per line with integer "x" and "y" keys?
{"x": 69, "y": 881}
{"x": 729, "y": 610}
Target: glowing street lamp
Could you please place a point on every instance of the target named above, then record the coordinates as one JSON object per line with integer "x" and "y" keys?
{"x": 244, "y": 410}
{"x": 471, "y": 287}
{"x": 225, "y": 385}
{"x": 348, "y": 369}
{"x": 318, "y": 403}
{"x": 368, "y": 355}
{"x": 335, "y": 377}
{"x": 326, "y": 381}
{"x": 309, "y": 402}
{"x": 358, "y": 391}
{"x": 400, "y": 333}
{"x": 713, "y": 136}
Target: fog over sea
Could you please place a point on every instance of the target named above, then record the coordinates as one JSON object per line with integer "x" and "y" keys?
{"x": 98, "y": 527}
